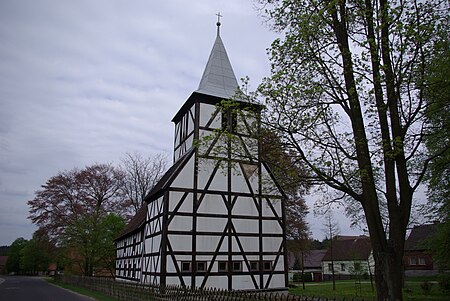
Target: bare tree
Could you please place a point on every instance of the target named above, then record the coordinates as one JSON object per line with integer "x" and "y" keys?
{"x": 331, "y": 229}
{"x": 141, "y": 175}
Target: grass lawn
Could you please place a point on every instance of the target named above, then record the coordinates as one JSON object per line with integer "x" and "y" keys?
{"x": 348, "y": 289}
{"x": 83, "y": 291}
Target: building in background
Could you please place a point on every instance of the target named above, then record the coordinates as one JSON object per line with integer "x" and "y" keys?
{"x": 351, "y": 257}
{"x": 417, "y": 259}
{"x": 312, "y": 262}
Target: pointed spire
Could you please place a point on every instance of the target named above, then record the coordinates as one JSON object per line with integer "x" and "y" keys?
{"x": 218, "y": 79}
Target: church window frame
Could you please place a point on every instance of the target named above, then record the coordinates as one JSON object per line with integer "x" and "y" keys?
{"x": 267, "y": 265}
{"x": 222, "y": 266}
{"x": 237, "y": 266}
{"x": 254, "y": 266}
{"x": 201, "y": 266}
{"x": 186, "y": 266}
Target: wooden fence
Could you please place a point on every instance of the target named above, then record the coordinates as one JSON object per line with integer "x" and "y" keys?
{"x": 126, "y": 291}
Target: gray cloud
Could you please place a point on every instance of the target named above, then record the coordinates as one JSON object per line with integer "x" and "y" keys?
{"x": 87, "y": 81}
{"x": 84, "y": 82}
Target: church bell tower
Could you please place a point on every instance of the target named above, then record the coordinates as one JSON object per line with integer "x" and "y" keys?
{"x": 216, "y": 218}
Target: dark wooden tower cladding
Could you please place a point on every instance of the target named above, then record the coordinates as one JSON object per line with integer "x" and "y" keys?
{"x": 216, "y": 218}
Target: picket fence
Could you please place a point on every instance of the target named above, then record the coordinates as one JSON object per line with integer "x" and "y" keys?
{"x": 126, "y": 291}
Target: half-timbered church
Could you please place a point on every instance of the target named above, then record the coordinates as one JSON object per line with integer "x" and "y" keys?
{"x": 216, "y": 218}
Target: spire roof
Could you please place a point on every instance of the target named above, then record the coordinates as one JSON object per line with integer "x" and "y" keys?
{"x": 218, "y": 79}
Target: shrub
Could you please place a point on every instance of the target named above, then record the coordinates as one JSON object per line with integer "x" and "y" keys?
{"x": 444, "y": 282}
{"x": 426, "y": 287}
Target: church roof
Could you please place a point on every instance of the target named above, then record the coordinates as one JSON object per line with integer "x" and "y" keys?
{"x": 218, "y": 78}
{"x": 136, "y": 222}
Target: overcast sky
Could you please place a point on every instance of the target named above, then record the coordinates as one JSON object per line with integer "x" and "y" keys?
{"x": 87, "y": 81}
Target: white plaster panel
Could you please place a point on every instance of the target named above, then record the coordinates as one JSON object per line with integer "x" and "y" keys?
{"x": 252, "y": 146}
{"x": 272, "y": 227}
{"x": 212, "y": 203}
{"x": 205, "y": 138}
{"x": 206, "y": 113}
{"x": 177, "y": 154}
{"x": 272, "y": 244}
{"x": 246, "y": 225}
{"x": 280, "y": 264}
{"x": 170, "y": 266}
{"x": 190, "y": 121}
{"x": 250, "y": 244}
{"x": 205, "y": 169}
{"x": 185, "y": 178}
{"x": 224, "y": 246}
{"x": 187, "y": 204}
{"x": 189, "y": 142}
{"x": 220, "y": 148}
{"x": 220, "y": 181}
{"x": 181, "y": 223}
{"x": 220, "y": 282}
{"x": 211, "y": 224}
{"x": 268, "y": 185}
{"x": 208, "y": 243}
{"x": 242, "y": 282}
{"x": 174, "y": 280}
{"x": 174, "y": 198}
{"x": 156, "y": 243}
{"x": 177, "y": 134}
{"x": 245, "y": 206}
{"x": 238, "y": 183}
{"x": 180, "y": 242}
{"x": 267, "y": 210}
{"x": 277, "y": 281}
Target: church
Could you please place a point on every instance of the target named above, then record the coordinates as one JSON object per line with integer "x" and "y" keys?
{"x": 216, "y": 218}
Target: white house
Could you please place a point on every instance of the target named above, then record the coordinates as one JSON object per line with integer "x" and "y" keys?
{"x": 216, "y": 218}
{"x": 350, "y": 256}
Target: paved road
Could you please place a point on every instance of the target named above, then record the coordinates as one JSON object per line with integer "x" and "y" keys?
{"x": 18, "y": 288}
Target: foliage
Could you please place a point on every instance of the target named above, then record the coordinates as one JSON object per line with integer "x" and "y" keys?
{"x": 437, "y": 95}
{"x": 141, "y": 175}
{"x": 346, "y": 97}
{"x": 93, "y": 240}
{"x": 298, "y": 277}
{"x": 65, "y": 198}
{"x": 440, "y": 246}
{"x": 289, "y": 176}
{"x": 13, "y": 263}
{"x": 444, "y": 282}
{"x": 38, "y": 253}
{"x": 73, "y": 206}
{"x": 4, "y": 250}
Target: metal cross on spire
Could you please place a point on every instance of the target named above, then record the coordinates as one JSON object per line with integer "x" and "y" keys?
{"x": 218, "y": 22}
